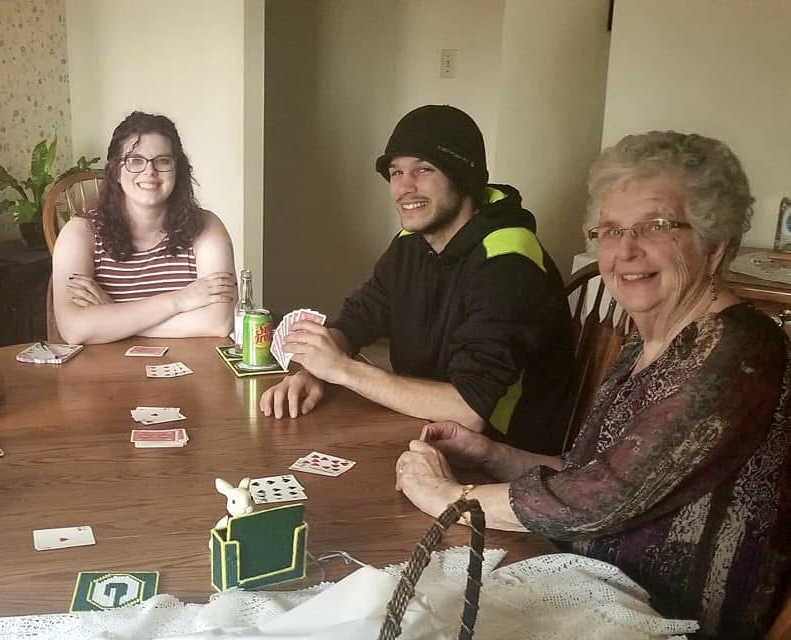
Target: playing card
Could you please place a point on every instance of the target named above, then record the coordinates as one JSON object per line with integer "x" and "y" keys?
{"x": 313, "y": 316}
{"x": 152, "y": 352}
{"x": 322, "y": 464}
{"x": 159, "y": 438}
{"x": 157, "y": 415}
{"x": 283, "y": 329}
{"x": 61, "y": 538}
{"x": 173, "y": 370}
{"x": 282, "y": 488}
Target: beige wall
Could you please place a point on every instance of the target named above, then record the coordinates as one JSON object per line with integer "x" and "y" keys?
{"x": 554, "y": 67}
{"x": 185, "y": 59}
{"x": 338, "y": 76}
{"x": 718, "y": 67}
{"x": 34, "y": 89}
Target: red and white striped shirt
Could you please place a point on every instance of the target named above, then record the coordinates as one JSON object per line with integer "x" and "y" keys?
{"x": 146, "y": 273}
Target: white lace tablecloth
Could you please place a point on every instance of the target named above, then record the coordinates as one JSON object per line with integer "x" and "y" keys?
{"x": 552, "y": 597}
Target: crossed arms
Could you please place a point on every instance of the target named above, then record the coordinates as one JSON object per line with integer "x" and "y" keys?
{"x": 86, "y": 314}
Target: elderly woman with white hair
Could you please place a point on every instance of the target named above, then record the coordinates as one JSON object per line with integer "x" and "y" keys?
{"x": 680, "y": 474}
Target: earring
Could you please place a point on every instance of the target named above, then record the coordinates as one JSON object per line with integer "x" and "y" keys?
{"x": 712, "y": 287}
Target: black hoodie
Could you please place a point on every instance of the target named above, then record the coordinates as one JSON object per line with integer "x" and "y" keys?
{"x": 488, "y": 314}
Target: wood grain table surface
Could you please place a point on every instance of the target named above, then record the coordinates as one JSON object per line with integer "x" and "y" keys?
{"x": 68, "y": 461}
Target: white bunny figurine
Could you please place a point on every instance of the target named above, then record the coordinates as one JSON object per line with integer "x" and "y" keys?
{"x": 239, "y": 499}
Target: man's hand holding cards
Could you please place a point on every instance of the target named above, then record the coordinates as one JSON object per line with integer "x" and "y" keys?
{"x": 282, "y": 356}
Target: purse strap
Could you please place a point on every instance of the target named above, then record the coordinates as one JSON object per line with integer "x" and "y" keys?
{"x": 391, "y": 628}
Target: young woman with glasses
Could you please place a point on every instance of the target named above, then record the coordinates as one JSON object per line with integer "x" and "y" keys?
{"x": 148, "y": 261}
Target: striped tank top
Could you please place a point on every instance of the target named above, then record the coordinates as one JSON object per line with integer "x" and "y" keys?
{"x": 146, "y": 273}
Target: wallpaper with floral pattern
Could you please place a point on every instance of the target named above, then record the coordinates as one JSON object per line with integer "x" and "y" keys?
{"x": 34, "y": 88}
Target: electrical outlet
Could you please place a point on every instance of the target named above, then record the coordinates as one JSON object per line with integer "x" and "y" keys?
{"x": 447, "y": 63}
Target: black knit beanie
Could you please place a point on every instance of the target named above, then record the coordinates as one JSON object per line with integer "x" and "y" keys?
{"x": 448, "y": 138}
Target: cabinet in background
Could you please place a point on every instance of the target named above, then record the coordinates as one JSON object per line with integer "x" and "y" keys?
{"x": 24, "y": 278}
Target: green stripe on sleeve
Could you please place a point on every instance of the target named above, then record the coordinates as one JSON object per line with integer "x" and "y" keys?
{"x": 514, "y": 240}
{"x": 501, "y": 416}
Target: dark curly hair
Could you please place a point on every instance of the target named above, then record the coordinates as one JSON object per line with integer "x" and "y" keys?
{"x": 183, "y": 219}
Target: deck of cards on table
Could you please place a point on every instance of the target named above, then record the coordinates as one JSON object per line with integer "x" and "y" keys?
{"x": 284, "y": 357}
{"x": 159, "y": 438}
{"x": 173, "y": 370}
{"x": 146, "y": 352}
{"x": 48, "y": 353}
{"x": 62, "y": 538}
{"x": 322, "y": 464}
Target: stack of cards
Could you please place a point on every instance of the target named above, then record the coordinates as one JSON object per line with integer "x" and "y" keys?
{"x": 146, "y": 352}
{"x": 283, "y": 357}
{"x": 282, "y": 488}
{"x": 173, "y": 370}
{"x": 159, "y": 438}
{"x": 322, "y": 464}
{"x": 61, "y": 538}
{"x": 46, "y": 353}
{"x": 156, "y": 415}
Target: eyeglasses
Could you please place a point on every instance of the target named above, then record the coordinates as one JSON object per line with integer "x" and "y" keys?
{"x": 138, "y": 164}
{"x": 656, "y": 230}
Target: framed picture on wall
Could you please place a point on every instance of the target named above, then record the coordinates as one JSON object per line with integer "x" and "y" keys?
{"x": 783, "y": 234}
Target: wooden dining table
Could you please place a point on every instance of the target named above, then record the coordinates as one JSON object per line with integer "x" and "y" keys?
{"x": 68, "y": 461}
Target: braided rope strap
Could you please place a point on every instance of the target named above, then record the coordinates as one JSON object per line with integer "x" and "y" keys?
{"x": 391, "y": 628}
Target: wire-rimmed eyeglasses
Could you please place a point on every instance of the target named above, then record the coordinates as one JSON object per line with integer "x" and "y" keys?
{"x": 656, "y": 230}
{"x": 137, "y": 164}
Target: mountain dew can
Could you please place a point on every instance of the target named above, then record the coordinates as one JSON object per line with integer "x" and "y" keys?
{"x": 257, "y": 338}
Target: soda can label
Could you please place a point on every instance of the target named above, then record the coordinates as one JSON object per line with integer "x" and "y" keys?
{"x": 257, "y": 338}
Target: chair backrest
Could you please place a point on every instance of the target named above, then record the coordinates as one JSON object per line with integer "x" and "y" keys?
{"x": 74, "y": 195}
{"x": 600, "y": 328}
{"x": 781, "y": 628}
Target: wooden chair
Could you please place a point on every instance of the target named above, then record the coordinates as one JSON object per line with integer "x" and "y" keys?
{"x": 599, "y": 338}
{"x": 75, "y": 195}
{"x": 781, "y": 628}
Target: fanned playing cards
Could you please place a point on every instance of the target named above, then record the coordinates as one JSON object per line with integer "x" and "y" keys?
{"x": 284, "y": 357}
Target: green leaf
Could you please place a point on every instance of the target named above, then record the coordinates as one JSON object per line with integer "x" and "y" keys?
{"x": 28, "y": 206}
{"x": 39, "y": 160}
{"x": 24, "y": 211}
{"x": 6, "y": 179}
{"x": 83, "y": 164}
{"x": 51, "y": 151}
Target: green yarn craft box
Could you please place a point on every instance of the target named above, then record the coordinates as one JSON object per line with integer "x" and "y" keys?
{"x": 259, "y": 549}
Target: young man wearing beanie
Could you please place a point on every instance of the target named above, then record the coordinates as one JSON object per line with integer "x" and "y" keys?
{"x": 472, "y": 304}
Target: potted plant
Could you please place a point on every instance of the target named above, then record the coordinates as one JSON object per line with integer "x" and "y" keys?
{"x": 26, "y": 209}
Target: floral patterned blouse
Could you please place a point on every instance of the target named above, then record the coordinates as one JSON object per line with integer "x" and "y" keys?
{"x": 681, "y": 475}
